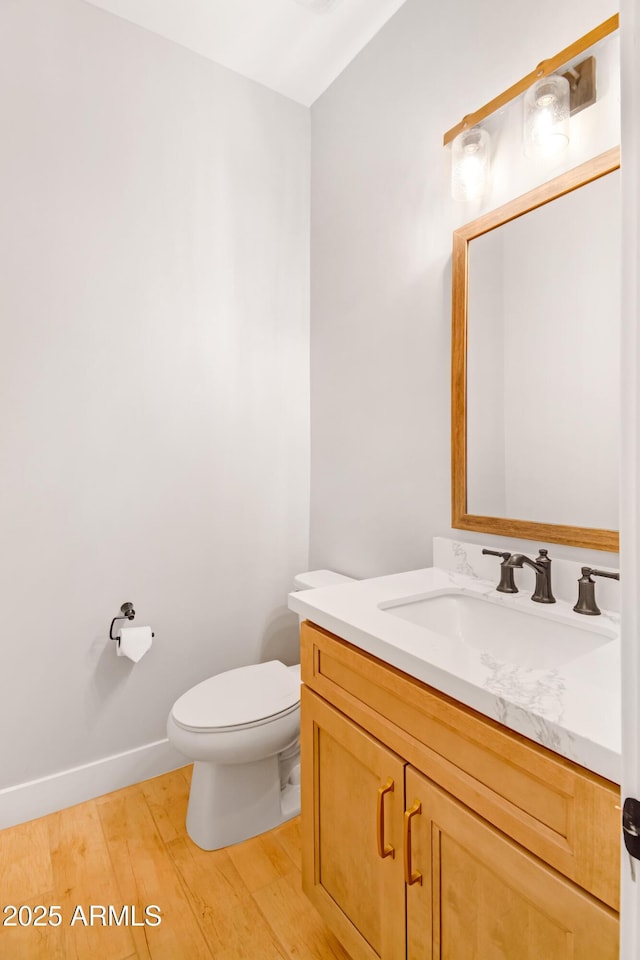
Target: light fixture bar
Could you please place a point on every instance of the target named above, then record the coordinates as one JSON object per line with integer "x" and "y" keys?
{"x": 544, "y": 69}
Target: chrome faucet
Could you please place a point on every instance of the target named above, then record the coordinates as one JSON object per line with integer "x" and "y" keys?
{"x": 542, "y": 567}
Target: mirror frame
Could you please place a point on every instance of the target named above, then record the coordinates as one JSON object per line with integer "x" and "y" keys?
{"x": 590, "y": 537}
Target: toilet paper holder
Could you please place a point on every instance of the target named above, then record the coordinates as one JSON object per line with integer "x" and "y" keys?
{"x": 126, "y": 613}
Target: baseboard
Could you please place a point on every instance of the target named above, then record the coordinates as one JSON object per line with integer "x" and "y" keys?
{"x": 37, "y": 798}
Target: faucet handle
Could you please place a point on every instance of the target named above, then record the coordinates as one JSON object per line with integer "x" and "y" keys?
{"x": 497, "y": 553}
{"x": 587, "y": 590}
{"x": 615, "y": 575}
{"x": 507, "y": 582}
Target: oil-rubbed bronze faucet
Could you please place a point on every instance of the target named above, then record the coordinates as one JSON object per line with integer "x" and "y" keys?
{"x": 507, "y": 583}
{"x": 587, "y": 591}
{"x": 542, "y": 567}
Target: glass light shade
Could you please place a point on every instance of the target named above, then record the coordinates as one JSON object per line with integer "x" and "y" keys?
{"x": 546, "y": 117}
{"x": 470, "y": 164}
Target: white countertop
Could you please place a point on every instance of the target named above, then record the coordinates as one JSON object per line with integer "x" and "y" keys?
{"x": 573, "y": 709}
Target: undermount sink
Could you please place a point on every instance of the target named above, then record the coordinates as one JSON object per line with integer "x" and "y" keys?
{"x": 527, "y": 638}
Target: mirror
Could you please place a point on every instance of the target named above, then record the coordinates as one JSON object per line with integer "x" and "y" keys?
{"x": 535, "y": 363}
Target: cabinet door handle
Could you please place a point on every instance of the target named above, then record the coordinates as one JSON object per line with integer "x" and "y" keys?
{"x": 384, "y": 849}
{"x": 410, "y": 876}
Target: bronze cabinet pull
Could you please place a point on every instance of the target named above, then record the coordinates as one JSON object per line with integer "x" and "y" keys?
{"x": 410, "y": 876}
{"x": 384, "y": 849}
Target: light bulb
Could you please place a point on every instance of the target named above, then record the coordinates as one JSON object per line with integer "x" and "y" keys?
{"x": 470, "y": 161}
{"x": 546, "y": 117}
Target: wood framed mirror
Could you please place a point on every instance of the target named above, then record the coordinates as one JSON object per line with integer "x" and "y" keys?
{"x": 535, "y": 363}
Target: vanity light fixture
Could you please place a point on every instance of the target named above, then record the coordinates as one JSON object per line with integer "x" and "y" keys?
{"x": 546, "y": 117}
{"x": 549, "y": 103}
{"x": 582, "y": 85}
{"x": 546, "y": 86}
{"x": 470, "y": 164}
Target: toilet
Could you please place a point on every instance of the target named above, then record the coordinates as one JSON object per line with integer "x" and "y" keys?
{"x": 241, "y": 728}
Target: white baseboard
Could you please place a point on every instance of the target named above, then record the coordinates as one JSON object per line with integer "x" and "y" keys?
{"x": 36, "y": 798}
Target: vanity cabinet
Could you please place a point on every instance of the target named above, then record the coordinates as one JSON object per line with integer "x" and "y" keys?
{"x": 432, "y": 833}
{"x": 359, "y": 798}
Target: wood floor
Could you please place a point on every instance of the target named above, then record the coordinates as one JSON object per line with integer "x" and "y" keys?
{"x": 130, "y": 849}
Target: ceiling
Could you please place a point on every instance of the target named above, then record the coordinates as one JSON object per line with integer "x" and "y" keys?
{"x": 296, "y": 47}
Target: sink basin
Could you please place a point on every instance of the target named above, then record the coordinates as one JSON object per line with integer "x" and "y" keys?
{"x": 527, "y": 638}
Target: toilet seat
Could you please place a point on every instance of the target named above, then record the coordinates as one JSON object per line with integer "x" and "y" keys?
{"x": 239, "y": 699}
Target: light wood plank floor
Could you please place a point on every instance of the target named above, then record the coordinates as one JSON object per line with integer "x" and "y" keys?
{"x": 130, "y": 848}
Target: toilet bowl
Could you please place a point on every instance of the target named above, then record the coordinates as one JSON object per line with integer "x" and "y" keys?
{"x": 241, "y": 728}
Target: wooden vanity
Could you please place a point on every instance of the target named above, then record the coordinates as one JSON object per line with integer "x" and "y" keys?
{"x": 433, "y": 833}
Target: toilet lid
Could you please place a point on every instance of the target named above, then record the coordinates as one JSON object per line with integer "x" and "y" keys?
{"x": 238, "y": 697}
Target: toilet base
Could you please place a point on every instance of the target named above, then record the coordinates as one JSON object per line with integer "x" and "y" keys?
{"x": 229, "y": 803}
{"x": 290, "y": 801}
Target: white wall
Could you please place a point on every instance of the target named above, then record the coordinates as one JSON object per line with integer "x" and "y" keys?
{"x": 630, "y": 472}
{"x": 153, "y": 376}
{"x": 382, "y": 220}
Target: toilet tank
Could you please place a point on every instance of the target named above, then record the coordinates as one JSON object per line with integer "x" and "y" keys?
{"x": 319, "y": 578}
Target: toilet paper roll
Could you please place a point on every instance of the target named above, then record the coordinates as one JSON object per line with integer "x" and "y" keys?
{"x": 134, "y": 642}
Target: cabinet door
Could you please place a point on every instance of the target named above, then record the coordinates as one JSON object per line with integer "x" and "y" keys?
{"x": 483, "y": 897}
{"x": 352, "y": 815}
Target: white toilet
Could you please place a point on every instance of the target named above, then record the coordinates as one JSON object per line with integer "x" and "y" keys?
{"x": 241, "y": 728}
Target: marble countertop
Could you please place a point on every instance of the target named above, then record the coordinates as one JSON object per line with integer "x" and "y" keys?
{"x": 573, "y": 709}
